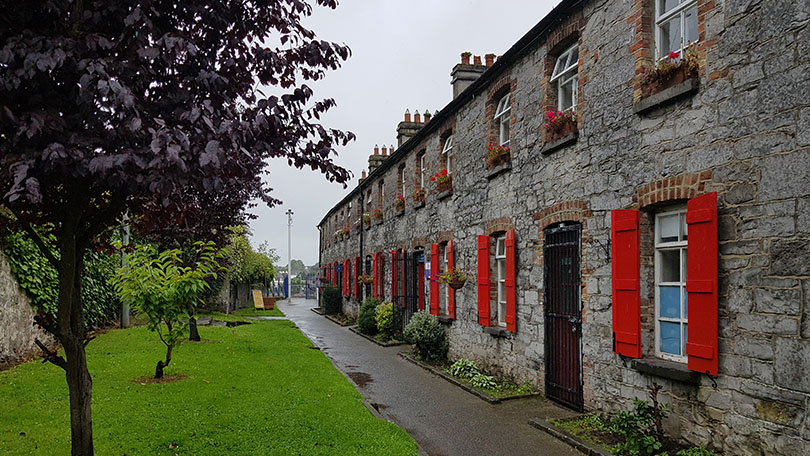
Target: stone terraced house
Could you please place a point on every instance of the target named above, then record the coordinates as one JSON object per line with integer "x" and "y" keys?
{"x": 662, "y": 236}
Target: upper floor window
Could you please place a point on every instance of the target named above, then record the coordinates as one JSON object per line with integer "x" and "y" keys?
{"x": 565, "y": 77}
{"x": 676, "y": 25}
{"x": 420, "y": 161}
{"x": 401, "y": 183}
{"x": 671, "y": 311}
{"x": 380, "y": 194}
{"x": 447, "y": 151}
{"x": 502, "y": 118}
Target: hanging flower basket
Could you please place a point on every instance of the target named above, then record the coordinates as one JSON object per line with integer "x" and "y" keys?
{"x": 457, "y": 283}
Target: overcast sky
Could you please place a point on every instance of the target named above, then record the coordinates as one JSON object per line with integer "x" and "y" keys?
{"x": 402, "y": 54}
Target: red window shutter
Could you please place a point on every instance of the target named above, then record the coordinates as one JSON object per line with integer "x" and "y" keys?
{"x": 701, "y": 283}
{"x": 346, "y": 271}
{"x": 511, "y": 295}
{"x": 626, "y": 253}
{"x": 434, "y": 279}
{"x": 403, "y": 282}
{"x": 357, "y": 283}
{"x": 393, "y": 274}
{"x": 376, "y": 273}
{"x": 451, "y": 293}
{"x": 483, "y": 280}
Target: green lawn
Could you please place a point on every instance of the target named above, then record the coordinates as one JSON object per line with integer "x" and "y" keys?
{"x": 253, "y": 389}
{"x": 250, "y": 312}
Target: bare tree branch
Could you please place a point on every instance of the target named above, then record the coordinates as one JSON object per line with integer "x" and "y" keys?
{"x": 46, "y": 252}
{"x": 51, "y": 356}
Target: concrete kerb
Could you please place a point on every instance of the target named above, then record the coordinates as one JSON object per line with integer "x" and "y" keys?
{"x": 568, "y": 438}
{"x": 381, "y": 344}
{"x": 335, "y": 320}
{"x": 465, "y": 387}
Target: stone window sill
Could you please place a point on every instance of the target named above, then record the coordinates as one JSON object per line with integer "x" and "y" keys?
{"x": 499, "y": 169}
{"x": 666, "y": 96}
{"x": 496, "y": 331}
{"x": 419, "y": 204}
{"x": 444, "y": 194}
{"x": 400, "y": 212}
{"x": 445, "y": 319}
{"x": 558, "y": 144}
{"x": 378, "y": 221}
{"x": 368, "y": 226}
{"x": 666, "y": 369}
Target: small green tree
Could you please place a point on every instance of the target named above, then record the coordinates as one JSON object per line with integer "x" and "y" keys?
{"x": 162, "y": 287}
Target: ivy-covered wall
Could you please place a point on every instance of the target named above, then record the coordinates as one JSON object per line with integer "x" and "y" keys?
{"x": 28, "y": 284}
{"x": 17, "y": 331}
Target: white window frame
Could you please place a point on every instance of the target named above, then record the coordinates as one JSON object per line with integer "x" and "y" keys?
{"x": 503, "y": 116}
{"x": 444, "y": 294}
{"x": 569, "y": 74}
{"x": 422, "y": 170}
{"x": 662, "y": 18}
{"x": 402, "y": 181}
{"x": 680, "y": 245}
{"x": 500, "y": 273}
{"x": 447, "y": 150}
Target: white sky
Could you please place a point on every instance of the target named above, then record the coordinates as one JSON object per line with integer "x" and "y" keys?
{"x": 402, "y": 54}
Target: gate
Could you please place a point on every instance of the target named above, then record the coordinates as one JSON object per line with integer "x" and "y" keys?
{"x": 405, "y": 287}
{"x": 310, "y": 286}
{"x": 563, "y": 304}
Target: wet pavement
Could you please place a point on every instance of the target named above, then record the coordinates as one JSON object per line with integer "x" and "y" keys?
{"x": 441, "y": 417}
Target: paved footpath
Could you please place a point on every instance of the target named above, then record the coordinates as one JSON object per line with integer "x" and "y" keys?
{"x": 442, "y": 418}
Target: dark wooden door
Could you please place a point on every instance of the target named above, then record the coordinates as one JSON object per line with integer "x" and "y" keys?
{"x": 563, "y": 305}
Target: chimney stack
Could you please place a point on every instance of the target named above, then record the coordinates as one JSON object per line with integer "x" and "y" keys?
{"x": 490, "y": 59}
{"x": 384, "y": 151}
{"x": 427, "y": 116}
{"x": 464, "y": 74}
{"x": 374, "y": 160}
{"x": 407, "y": 128}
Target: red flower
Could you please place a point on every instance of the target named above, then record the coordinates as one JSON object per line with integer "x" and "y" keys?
{"x": 674, "y": 55}
{"x": 444, "y": 172}
{"x": 432, "y": 178}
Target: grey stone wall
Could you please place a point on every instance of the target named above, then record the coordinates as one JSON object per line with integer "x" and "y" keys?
{"x": 17, "y": 330}
{"x": 744, "y": 134}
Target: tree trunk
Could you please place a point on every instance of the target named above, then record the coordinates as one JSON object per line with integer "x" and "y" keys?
{"x": 161, "y": 365}
{"x": 70, "y": 332}
{"x": 80, "y": 387}
{"x": 193, "y": 334}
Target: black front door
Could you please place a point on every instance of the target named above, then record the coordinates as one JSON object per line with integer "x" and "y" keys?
{"x": 563, "y": 305}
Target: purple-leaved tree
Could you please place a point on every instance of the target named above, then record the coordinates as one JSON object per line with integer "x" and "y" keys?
{"x": 151, "y": 107}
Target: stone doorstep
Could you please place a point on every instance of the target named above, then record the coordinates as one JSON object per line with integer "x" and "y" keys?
{"x": 499, "y": 169}
{"x": 442, "y": 195}
{"x": 665, "y": 96}
{"x": 469, "y": 389}
{"x": 381, "y": 344}
{"x": 318, "y": 310}
{"x": 570, "y": 439}
{"x": 552, "y": 146}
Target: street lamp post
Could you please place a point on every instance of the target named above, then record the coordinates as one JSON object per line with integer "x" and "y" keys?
{"x": 289, "y": 252}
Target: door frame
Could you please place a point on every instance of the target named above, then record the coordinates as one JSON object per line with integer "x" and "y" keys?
{"x": 577, "y": 401}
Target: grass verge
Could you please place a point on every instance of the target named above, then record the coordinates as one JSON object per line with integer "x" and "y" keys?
{"x": 260, "y": 390}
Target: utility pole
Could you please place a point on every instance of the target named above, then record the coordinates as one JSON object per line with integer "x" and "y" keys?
{"x": 289, "y": 252}
{"x": 125, "y": 242}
